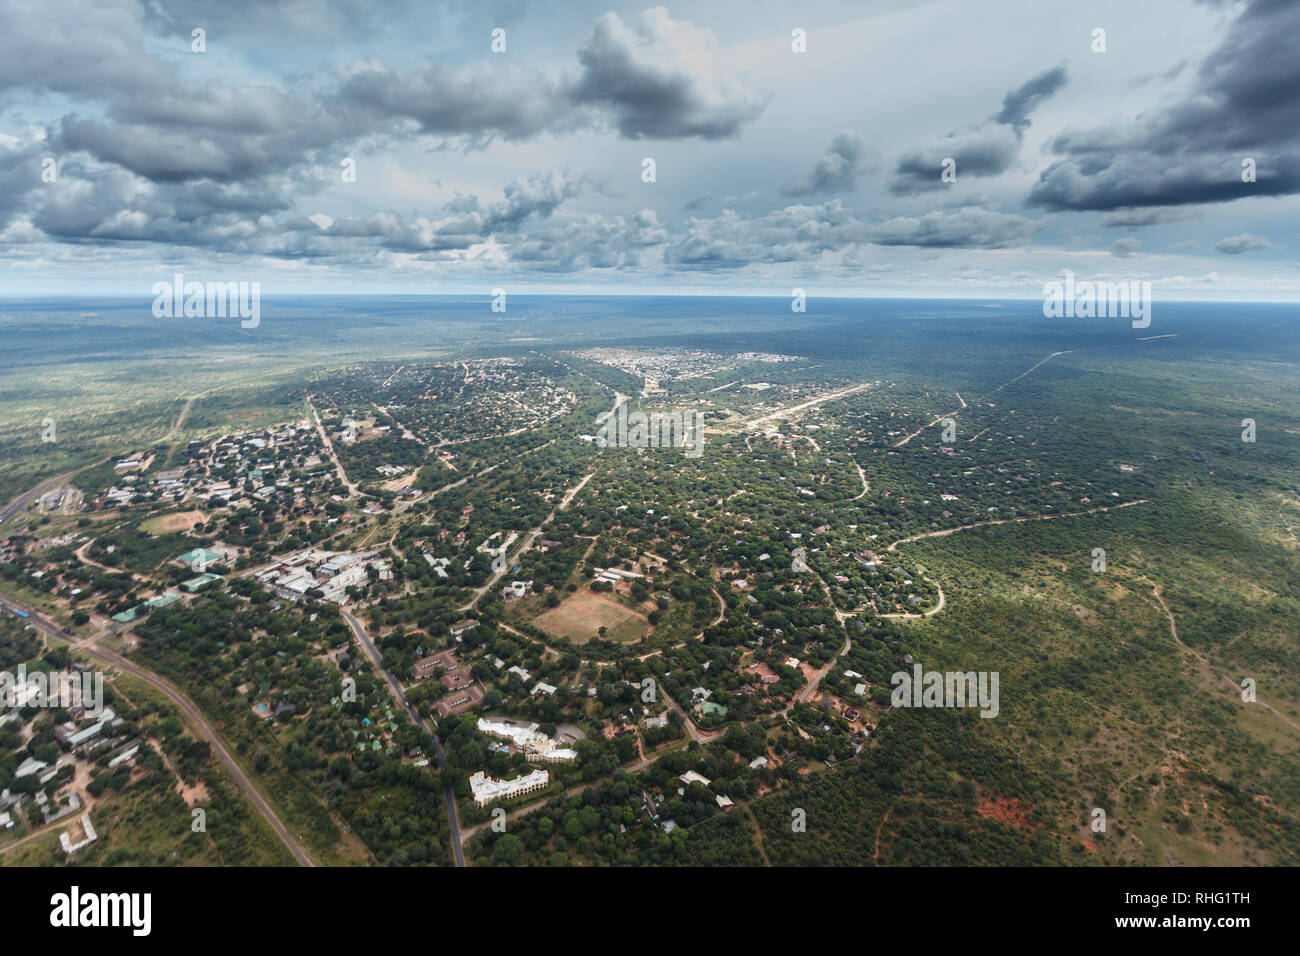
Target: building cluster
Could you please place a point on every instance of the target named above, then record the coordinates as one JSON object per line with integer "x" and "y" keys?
{"x": 527, "y": 740}
{"x": 657, "y": 365}
{"x": 89, "y": 736}
{"x": 330, "y": 572}
{"x": 462, "y": 690}
{"x": 494, "y": 396}
{"x": 85, "y": 734}
{"x": 241, "y": 468}
{"x": 439, "y": 565}
{"x": 615, "y": 575}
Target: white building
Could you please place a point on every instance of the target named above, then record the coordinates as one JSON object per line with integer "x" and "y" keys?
{"x": 533, "y": 744}
{"x": 487, "y": 790}
{"x": 516, "y": 589}
{"x": 66, "y": 841}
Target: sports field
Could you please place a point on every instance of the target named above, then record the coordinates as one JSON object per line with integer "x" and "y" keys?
{"x": 580, "y": 617}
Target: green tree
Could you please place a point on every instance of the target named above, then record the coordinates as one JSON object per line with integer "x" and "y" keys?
{"x": 508, "y": 849}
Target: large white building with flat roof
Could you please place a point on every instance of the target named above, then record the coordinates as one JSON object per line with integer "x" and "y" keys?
{"x": 487, "y": 790}
{"x": 532, "y": 743}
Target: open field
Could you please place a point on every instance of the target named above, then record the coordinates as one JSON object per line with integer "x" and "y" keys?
{"x": 581, "y": 616}
{"x": 175, "y": 521}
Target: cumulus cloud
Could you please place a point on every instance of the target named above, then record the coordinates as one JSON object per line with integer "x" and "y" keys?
{"x": 1138, "y": 218}
{"x": 793, "y": 234}
{"x": 150, "y": 154}
{"x": 593, "y": 242}
{"x": 477, "y": 101}
{"x": 1236, "y": 245}
{"x": 965, "y": 228}
{"x": 806, "y": 233}
{"x": 466, "y": 224}
{"x": 20, "y": 173}
{"x": 986, "y": 149}
{"x": 662, "y": 80}
{"x": 837, "y": 171}
{"x": 237, "y": 154}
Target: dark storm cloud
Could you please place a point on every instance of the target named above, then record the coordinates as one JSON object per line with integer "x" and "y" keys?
{"x": 837, "y": 171}
{"x": 987, "y": 149}
{"x": 984, "y": 151}
{"x": 1245, "y": 104}
{"x": 1107, "y": 182}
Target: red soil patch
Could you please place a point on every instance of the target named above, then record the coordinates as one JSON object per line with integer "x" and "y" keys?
{"x": 1006, "y": 810}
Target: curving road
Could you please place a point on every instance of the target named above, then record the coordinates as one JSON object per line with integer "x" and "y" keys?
{"x": 189, "y": 709}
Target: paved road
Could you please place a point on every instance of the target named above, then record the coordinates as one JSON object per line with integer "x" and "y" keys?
{"x": 189, "y": 709}
{"x": 396, "y": 687}
{"x": 782, "y": 413}
{"x": 329, "y": 449}
{"x": 26, "y": 498}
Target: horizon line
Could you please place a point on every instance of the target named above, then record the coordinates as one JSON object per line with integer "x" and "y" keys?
{"x": 7, "y": 296}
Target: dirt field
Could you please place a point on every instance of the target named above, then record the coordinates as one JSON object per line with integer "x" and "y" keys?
{"x": 402, "y": 481}
{"x": 580, "y": 617}
{"x": 180, "y": 521}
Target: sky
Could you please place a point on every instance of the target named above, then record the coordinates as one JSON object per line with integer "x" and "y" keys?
{"x": 458, "y": 147}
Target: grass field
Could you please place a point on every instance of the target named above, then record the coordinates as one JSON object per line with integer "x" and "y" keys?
{"x": 580, "y": 617}
{"x": 175, "y": 521}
